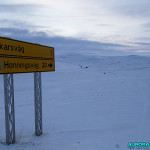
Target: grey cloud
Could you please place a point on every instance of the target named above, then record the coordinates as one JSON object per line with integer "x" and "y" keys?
{"x": 142, "y": 43}
{"x": 133, "y": 9}
{"x": 105, "y": 25}
{"x": 143, "y": 39}
{"x": 61, "y": 43}
{"x": 14, "y": 23}
{"x": 146, "y": 27}
{"x": 20, "y": 8}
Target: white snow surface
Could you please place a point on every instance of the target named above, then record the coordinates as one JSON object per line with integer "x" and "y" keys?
{"x": 89, "y": 103}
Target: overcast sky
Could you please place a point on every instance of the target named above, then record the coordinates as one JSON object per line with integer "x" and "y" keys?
{"x": 125, "y": 22}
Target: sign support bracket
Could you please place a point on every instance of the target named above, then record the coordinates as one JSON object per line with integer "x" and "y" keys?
{"x": 38, "y": 103}
{"x": 9, "y": 108}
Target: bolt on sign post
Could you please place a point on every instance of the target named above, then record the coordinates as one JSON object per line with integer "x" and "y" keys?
{"x": 23, "y": 57}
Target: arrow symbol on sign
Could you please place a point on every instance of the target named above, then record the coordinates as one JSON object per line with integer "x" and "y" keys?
{"x": 50, "y": 65}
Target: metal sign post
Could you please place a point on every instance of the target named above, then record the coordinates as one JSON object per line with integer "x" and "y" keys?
{"x": 23, "y": 57}
{"x": 38, "y": 103}
{"x": 9, "y": 108}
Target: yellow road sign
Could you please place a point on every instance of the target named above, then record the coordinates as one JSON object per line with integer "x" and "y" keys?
{"x": 18, "y": 65}
{"x": 17, "y": 48}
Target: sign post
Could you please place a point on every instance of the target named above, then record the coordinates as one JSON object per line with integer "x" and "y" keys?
{"x": 9, "y": 108}
{"x": 38, "y": 103}
{"x": 23, "y": 57}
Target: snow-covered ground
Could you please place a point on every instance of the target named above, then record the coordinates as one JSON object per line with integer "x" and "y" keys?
{"x": 89, "y": 103}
